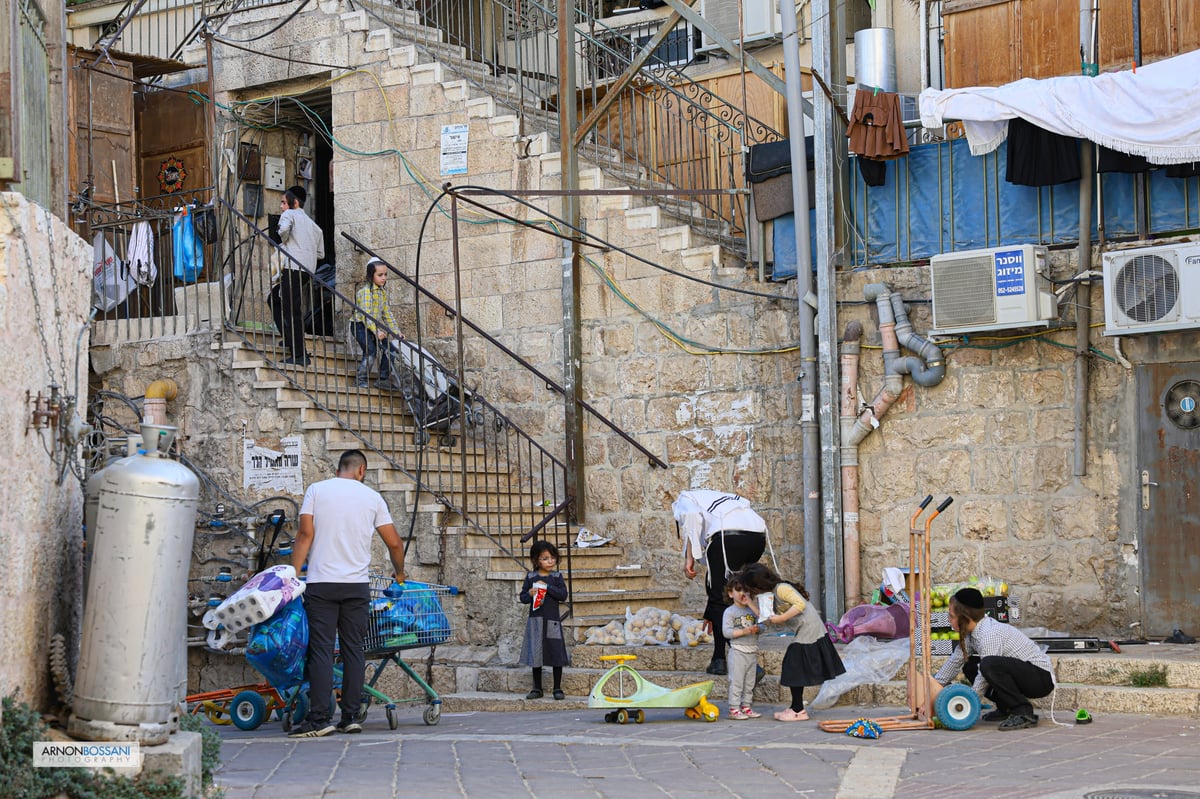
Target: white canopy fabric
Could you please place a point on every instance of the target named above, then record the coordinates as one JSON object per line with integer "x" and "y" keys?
{"x": 1153, "y": 112}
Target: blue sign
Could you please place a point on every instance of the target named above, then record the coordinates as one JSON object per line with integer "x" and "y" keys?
{"x": 1010, "y": 273}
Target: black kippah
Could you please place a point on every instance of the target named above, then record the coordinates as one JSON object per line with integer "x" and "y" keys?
{"x": 969, "y": 598}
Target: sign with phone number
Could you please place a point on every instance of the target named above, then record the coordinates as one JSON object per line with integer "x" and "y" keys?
{"x": 1010, "y": 273}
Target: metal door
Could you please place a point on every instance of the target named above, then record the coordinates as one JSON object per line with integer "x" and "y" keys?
{"x": 1168, "y": 496}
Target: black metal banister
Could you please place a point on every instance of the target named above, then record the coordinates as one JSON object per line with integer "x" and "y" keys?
{"x": 549, "y": 382}
{"x": 504, "y": 484}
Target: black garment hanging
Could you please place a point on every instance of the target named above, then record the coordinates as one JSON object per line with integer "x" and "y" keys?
{"x": 1037, "y": 157}
{"x": 1113, "y": 161}
{"x": 874, "y": 173}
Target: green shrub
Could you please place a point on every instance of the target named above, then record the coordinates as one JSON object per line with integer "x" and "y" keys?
{"x": 1149, "y": 677}
{"x": 22, "y": 727}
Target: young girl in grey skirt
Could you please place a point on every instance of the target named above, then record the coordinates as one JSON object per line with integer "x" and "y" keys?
{"x": 810, "y": 658}
{"x": 544, "y": 644}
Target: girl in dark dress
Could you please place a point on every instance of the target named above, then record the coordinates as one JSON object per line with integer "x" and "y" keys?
{"x": 810, "y": 658}
{"x": 544, "y": 644}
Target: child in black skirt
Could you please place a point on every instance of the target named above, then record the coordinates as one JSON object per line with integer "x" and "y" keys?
{"x": 544, "y": 644}
{"x": 811, "y": 658}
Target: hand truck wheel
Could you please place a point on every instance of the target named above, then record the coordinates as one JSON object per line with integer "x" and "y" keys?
{"x": 248, "y": 710}
{"x": 957, "y": 707}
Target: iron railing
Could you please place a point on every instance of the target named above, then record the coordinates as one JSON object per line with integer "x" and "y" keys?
{"x": 139, "y": 299}
{"x": 664, "y": 130}
{"x": 434, "y": 431}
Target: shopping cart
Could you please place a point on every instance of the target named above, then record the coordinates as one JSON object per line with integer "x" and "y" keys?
{"x": 403, "y": 616}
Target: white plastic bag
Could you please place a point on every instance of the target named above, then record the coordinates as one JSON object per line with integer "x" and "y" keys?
{"x": 648, "y": 626}
{"x": 689, "y": 631}
{"x": 611, "y": 634}
{"x": 112, "y": 279}
{"x": 253, "y": 603}
{"x": 867, "y": 661}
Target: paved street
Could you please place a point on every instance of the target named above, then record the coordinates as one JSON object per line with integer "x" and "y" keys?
{"x": 567, "y": 754}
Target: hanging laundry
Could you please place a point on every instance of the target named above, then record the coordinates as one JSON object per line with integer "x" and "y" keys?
{"x": 140, "y": 256}
{"x": 1037, "y": 157}
{"x": 876, "y": 129}
{"x": 187, "y": 248}
{"x": 111, "y": 277}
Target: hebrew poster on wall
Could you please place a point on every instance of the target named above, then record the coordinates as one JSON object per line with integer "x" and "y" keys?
{"x": 272, "y": 471}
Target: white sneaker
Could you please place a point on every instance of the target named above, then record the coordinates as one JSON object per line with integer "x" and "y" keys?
{"x": 586, "y": 539}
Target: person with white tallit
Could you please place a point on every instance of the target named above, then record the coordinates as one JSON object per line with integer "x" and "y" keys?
{"x": 722, "y": 530}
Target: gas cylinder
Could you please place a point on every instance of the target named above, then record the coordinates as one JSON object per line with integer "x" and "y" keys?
{"x": 133, "y": 655}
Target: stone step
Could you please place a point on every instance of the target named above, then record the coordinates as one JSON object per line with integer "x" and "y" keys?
{"x": 583, "y": 579}
{"x": 609, "y": 605}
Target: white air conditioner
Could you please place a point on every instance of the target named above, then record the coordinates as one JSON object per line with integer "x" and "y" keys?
{"x": 1152, "y": 289}
{"x": 994, "y": 289}
{"x": 760, "y": 22}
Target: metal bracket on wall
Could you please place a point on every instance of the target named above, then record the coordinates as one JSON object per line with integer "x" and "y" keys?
{"x": 45, "y": 411}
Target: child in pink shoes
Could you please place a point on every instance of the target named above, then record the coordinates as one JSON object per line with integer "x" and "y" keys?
{"x": 810, "y": 658}
{"x": 740, "y": 625}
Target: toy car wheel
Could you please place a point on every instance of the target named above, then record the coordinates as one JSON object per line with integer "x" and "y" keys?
{"x": 393, "y": 722}
{"x": 447, "y": 441}
{"x": 432, "y": 715}
{"x": 957, "y": 707}
{"x": 622, "y": 716}
{"x": 692, "y": 713}
{"x": 610, "y": 717}
{"x": 639, "y": 716}
{"x": 248, "y": 710}
{"x": 421, "y": 437}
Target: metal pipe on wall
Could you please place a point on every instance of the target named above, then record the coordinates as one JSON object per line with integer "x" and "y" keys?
{"x": 811, "y": 462}
{"x": 1083, "y": 293}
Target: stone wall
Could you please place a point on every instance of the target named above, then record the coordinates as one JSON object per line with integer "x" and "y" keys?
{"x": 45, "y": 292}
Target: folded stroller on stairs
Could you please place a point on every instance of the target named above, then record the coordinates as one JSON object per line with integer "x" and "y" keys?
{"x": 431, "y": 393}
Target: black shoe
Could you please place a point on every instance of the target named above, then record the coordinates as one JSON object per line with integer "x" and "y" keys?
{"x": 313, "y": 729}
{"x": 996, "y": 715}
{"x": 717, "y": 667}
{"x": 349, "y": 727}
{"x": 1179, "y": 637}
{"x": 305, "y": 361}
{"x": 536, "y": 693}
{"x": 759, "y": 673}
{"x": 559, "y": 695}
{"x": 1018, "y": 722}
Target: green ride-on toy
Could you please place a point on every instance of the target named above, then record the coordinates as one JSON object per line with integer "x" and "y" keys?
{"x": 630, "y": 706}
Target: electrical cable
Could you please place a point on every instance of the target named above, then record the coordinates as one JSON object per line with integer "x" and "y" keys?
{"x": 282, "y": 22}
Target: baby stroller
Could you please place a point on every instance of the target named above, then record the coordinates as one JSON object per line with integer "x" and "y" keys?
{"x": 431, "y": 393}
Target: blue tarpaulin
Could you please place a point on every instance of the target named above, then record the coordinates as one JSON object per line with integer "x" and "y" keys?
{"x": 940, "y": 198}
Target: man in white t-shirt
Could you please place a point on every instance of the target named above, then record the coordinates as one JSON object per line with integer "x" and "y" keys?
{"x": 338, "y": 520}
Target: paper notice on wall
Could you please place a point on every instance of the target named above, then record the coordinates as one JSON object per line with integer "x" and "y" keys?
{"x": 268, "y": 470}
{"x": 454, "y": 149}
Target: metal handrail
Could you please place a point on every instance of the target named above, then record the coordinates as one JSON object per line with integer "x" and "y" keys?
{"x": 666, "y": 130}
{"x": 476, "y": 461}
{"x": 548, "y": 381}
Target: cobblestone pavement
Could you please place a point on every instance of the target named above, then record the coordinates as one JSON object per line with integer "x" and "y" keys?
{"x": 573, "y": 753}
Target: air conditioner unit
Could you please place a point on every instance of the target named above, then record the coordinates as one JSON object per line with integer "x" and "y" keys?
{"x": 760, "y": 22}
{"x": 993, "y": 289}
{"x": 1151, "y": 289}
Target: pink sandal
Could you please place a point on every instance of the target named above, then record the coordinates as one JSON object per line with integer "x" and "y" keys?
{"x": 787, "y": 714}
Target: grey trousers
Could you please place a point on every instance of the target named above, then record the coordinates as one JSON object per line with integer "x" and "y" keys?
{"x": 742, "y": 667}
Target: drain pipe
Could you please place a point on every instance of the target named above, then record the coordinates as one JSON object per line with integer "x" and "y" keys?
{"x": 927, "y": 368}
{"x": 154, "y": 409}
{"x": 848, "y": 411}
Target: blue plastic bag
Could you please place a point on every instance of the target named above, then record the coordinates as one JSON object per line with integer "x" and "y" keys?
{"x": 409, "y": 614}
{"x": 277, "y": 646}
{"x": 188, "y": 251}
